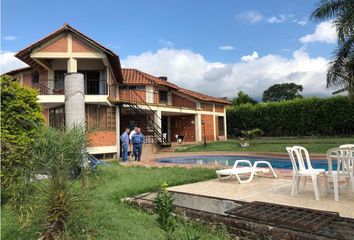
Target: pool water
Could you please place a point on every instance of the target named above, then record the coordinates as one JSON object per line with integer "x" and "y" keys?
{"x": 282, "y": 163}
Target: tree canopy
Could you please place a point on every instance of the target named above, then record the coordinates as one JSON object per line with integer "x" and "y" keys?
{"x": 243, "y": 98}
{"x": 20, "y": 118}
{"x": 281, "y": 92}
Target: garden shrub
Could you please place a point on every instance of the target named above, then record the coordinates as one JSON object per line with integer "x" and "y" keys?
{"x": 20, "y": 118}
{"x": 298, "y": 117}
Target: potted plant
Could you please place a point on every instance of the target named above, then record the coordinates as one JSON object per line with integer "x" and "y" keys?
{"x": 248, "y": 136}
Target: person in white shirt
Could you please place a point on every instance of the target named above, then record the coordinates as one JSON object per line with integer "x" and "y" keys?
{"x": 131, "y": 134}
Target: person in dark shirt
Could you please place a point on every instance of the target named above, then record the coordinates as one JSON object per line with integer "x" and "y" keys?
{"x": 138, "y": 140}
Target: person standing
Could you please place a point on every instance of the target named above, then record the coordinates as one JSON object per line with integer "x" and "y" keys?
{"x": 138, "y": 140}
{"x": 125, "y": 142}
{"x": 131, "y": 140}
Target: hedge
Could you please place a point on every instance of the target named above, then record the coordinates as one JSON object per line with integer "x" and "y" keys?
{"x": 298, "y": 117}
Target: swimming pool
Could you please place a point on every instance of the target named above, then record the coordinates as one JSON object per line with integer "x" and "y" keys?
{"x": 282, "y": 163}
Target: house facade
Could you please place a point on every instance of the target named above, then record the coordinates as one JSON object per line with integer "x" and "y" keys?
{"x": 78, "y": 78}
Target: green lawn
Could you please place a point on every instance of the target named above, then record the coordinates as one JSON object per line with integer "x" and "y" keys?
{"x": 314, "y": 145}
{"x": 107, "y": 218}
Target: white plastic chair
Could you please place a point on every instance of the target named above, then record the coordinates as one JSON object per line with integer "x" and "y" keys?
{"x": 301, "y": 170}
{"x": 344, "y": 158}
{"x": 249, "y": 169}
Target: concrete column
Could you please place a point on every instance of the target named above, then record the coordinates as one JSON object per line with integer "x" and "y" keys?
{"x": 157, "y": 120}
{"x": 149, "y": 94}
{"x": 214, "y": 122}
{"x": 118, "y": 130}
{"x": 225, "y": 124}
{"x": 72, "y": 65}
{"x": 74, "y": 100}
{"x": 198, "y": 127}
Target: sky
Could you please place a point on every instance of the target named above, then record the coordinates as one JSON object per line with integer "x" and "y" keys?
{"x": 218, "y": 47}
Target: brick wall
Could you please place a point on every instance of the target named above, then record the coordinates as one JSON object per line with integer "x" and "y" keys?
{"x": 219, "y": 108}
{"x": 60, "y": 45}
{"x": 183, "y": 126}
{"x": 27, "y": 79}
{"x": 217, "y": 126}
{"x": 102, "y": 138}
{"x": 207, "y": 107}
{"x": 209, "y": 127}
{"x": 179, "y": 101}
{"x": 131, "y": 96}
{"x": 80, "y": 46}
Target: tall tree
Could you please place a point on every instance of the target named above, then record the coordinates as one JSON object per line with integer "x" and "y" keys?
{"x": 280, "y": 92}
{"x": 341, "y": 68}
{"x": 243, "y": 98}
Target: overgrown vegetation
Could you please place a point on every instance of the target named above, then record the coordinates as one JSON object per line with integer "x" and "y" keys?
{"x": 298, "y": 117}
{"x": 47, "y": 193}
{"x": 20, "y": 118}
{"x": 104, "y": 216}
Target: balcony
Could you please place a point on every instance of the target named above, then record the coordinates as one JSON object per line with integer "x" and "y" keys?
{"x": 57, "y": 86}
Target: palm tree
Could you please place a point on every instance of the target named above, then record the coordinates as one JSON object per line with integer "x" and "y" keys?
{"x": 341, "y": 67}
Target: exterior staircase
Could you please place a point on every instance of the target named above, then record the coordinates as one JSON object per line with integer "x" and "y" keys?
{"x": 146, "y": 119}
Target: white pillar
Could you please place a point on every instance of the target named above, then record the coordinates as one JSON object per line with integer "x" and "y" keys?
{"x": 198, "y": 127}
{"x": 158, "y": 122}
{"x": 214, "y": 124}
{"x": 225, "y": 124}
{"x": 118, "y": 130}
{"x": 72, "y": 65}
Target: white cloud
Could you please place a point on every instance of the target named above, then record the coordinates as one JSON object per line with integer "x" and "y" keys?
{"x": 275, "y": 19}
{"x": 10, "y": 38}
{"x": 8, "y": 62}
{"x": 191, "y": 70}
{"x": 227, "y": 48}
{"x": 324, "y": 32}
{"x": 250, "y": 16}
{"x": 249, "y": 58}
{"x": 166, "y": 43}
{"x": 301, "y": 22}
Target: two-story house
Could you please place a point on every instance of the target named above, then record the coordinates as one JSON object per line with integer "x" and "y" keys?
{"x": 77, "y": 78}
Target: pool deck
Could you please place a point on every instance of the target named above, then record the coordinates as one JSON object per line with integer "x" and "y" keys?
{"x": 270, "y": 190}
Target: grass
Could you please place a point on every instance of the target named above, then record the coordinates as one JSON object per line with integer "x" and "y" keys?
{"x": 106, "y": 217}
{"x": 314, "y": 145}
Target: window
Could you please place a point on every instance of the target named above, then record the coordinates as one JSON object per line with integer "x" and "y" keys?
{"x": 35, "y": 77}
{"x": 93, "y": 82}
{"x": 163, "y": 96}
{"x": 138, "y": 87}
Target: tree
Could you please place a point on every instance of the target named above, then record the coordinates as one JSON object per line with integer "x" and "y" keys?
{"x": 280, "y": 92}
{"x": 341, "y": 68}
{"x": 243, "y": 98}
{"x": 20, "y": 118}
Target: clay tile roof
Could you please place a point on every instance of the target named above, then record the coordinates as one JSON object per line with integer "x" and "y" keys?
{"x": 203, "y": 97}
{"x": 18, "y": 70}
{"x": 134, "y": 77}
{"x": 24, "y": 54}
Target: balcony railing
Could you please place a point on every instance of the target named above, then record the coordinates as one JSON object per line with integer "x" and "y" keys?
{"x": 57, "y": 86}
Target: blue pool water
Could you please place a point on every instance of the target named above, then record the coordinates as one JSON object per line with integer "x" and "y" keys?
{"x": 283, "y": 163}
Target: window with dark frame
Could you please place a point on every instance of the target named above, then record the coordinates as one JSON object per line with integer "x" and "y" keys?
{"x": 163, "y": 96}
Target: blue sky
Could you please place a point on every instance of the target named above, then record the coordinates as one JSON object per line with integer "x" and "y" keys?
{"x": 220, "y": 32}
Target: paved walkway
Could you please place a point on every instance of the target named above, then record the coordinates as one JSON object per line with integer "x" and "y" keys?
{"x": 272, "y": 191}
